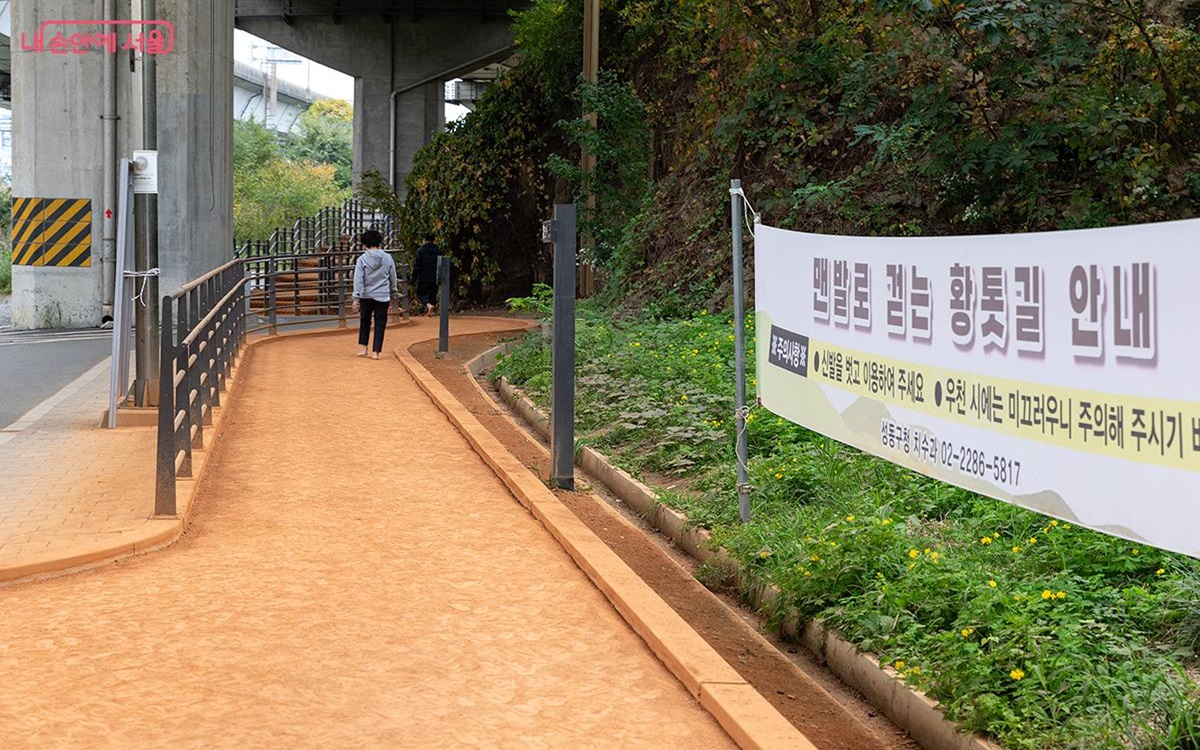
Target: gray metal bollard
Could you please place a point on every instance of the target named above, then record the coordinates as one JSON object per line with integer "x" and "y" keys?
{"x": 562, "y": 411}
{"x": 444, "y": 311}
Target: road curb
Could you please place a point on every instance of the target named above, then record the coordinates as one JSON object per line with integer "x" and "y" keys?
{"x": 911, "y": 710}
{"x": 744, "y": 714}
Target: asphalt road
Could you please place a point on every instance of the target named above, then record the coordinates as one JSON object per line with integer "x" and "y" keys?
{"x": 34, "y": 365}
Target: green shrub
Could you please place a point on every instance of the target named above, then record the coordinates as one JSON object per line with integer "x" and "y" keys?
{"x": 1037, "y": 632}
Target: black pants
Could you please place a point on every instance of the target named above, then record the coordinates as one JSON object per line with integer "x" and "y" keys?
{"x": 427, "y": 290}
{"x": 367, "y": 308}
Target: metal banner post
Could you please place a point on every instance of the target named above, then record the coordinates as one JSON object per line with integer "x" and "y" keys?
{"x": 118, "y": 389}
{"x": 739, "y": 339}
{"x": 562, "y": 409}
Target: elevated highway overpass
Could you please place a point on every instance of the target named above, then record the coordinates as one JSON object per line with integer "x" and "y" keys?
{"x": 78, "y": 106}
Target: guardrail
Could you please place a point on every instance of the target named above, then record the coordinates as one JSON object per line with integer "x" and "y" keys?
{"x": 205, "y": 323}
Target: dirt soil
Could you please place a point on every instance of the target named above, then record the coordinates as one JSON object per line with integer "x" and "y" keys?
{"x": 832, "y": 715}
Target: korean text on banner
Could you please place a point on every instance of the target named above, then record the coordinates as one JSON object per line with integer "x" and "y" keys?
{"x": 1056, "y": 371}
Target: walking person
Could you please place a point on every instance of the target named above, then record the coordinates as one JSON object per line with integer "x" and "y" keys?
{"x": 374, "y": 289}
{"x": 424, "y": 270}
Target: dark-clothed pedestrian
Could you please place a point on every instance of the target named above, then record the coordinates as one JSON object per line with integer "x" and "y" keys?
{"x": 374, "y": 289}
{"x": 424, "y": 271}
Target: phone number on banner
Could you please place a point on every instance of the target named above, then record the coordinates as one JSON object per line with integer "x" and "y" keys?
{"x": 964, "y": 459}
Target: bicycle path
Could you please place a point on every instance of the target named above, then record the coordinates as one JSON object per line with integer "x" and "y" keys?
{"x": 354, "y": 575}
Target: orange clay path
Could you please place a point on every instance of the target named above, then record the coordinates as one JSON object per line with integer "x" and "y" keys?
{"x": 354, "y": 576}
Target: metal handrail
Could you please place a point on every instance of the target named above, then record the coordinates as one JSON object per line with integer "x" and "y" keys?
{"x": 205, "y": 323}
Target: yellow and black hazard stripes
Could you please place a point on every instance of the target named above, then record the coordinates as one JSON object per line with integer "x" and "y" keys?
{"x": 52, "y": 232}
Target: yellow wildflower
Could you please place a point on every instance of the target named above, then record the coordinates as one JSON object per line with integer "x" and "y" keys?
{"x": 1016, "y": 550}
{"x": 849, "y": 518}
{"x": 992, "y": 584}
{"x": 1046, "y": 594}
{"x": 778, "y": 475}
{"x": 1061, "y": 595}
{"x": 899, "y": 665}
{"x": 986, "y": 540}
{"x": 1054, "y": 523}
{"x": 1159, "y": 572}
{"x": 1017, "y": 674}
{"x": 966, "y": 632}
{"x": 913, "y": 553}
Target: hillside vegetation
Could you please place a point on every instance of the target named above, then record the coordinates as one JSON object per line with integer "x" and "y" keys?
{"x": 895, "y": 117}
{"x": 878, "y": 117}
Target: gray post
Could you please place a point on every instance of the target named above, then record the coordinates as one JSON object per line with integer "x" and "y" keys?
{"x": 444, "y": 312}
{"x": 150, "y": 136}
{"x": 562, "y": 410}
{"x": 739, "y": 345}
{"x": 164, "y": 475}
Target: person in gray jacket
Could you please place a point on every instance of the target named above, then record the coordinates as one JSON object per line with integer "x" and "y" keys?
{"x": 374, "y": 289}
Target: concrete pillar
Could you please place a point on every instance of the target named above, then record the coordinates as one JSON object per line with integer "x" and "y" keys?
{"x": 372, "y": 119}
{"x": 57, "y": 155}
{"x": 195, "y": 137}
{"x": 420, "y": 114}
{"x": 58, "y": 168}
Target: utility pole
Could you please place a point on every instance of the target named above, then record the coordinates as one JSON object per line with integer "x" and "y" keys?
{"x": 145, "y": 384}
{"x": 591, "y": 70}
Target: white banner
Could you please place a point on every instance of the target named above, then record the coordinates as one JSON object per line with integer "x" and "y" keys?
{"x": 1059, "y": 371}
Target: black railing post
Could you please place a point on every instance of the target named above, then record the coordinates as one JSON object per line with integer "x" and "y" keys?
{"x": 339, "y": 270}
{"x": 164, "y": 474}
{"x": 192, "y": 353}
{"x": 273, "y": 313}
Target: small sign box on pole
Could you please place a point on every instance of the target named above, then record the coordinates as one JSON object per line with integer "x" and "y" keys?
{"x": 145, "y": 172}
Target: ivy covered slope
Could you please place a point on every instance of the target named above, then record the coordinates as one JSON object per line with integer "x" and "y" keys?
{"x": 869, "y": 117}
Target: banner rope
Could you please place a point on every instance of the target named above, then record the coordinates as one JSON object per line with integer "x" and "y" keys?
{"x": 750, "y": 212}
{"x": 145, "y": 276}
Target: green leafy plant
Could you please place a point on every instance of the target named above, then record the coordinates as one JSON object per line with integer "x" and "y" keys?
{"x": 1027, "y": 628}
{"x": 272, "y": 191}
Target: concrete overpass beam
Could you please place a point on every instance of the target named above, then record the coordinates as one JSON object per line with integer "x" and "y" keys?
{"x": 413, "y": 58}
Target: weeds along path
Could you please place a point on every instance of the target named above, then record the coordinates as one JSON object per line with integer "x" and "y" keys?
{"x": 354, "y": 577}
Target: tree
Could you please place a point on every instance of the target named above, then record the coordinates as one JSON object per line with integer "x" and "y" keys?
{"x": 271, "y": 191}
{"x": 326, "y": 136}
